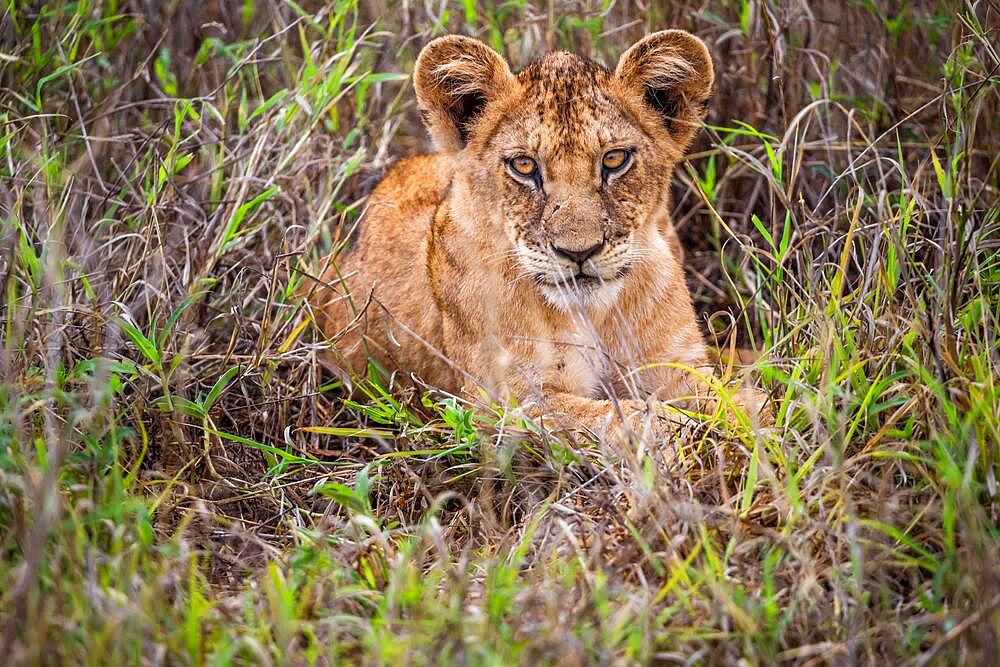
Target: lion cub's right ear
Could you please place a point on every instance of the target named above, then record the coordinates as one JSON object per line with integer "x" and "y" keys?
{"x": 455, "y": 77}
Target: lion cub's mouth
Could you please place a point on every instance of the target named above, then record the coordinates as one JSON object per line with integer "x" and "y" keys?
{"x": 581, "y": 289}
{"x": 579, "y": 281}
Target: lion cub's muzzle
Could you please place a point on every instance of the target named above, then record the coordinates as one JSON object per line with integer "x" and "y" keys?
{"x": 579, "y": 261}
{"x": 578, "y": 265}
{"x": 578, "y": 256}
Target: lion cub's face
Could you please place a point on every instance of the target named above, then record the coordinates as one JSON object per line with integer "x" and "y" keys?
{"x": 572, "y": 161}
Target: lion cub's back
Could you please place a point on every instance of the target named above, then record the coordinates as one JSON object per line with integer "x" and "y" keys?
{"x": 390, "y": 245}
{"x": 413, "y": 186}
{"x": 397, "y": 217}
{"x": 388, "y": 260}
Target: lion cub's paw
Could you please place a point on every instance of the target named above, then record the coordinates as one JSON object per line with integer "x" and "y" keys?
{"x": 758, "y": 405}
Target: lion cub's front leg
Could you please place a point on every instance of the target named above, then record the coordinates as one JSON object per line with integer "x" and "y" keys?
{"x": 604, "y": 419}
{"x": 613, "y": 421}
{"x": 678, "y": 389}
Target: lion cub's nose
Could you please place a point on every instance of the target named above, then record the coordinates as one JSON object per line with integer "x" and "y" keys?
{"x": 578, "y": 256}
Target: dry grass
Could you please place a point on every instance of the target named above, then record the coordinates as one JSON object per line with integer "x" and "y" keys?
{"x": 183, "y": 482}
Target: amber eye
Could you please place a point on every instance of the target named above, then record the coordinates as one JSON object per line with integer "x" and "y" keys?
{"x": 615, "y": 160}
{"x": 523, "y": 165}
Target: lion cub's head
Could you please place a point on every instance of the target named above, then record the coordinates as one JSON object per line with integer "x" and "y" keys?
{"x": 568, "y": 161}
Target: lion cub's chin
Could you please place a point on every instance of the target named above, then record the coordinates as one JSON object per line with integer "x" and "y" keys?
{"x": 591, "y": 294}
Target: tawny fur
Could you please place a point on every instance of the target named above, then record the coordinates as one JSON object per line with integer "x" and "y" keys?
{"x": 453, "y": 276}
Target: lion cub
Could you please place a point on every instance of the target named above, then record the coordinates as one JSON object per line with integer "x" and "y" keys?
{"x": 533, "y": 255}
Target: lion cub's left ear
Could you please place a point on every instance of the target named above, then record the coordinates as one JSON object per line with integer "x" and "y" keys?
{"x": 455, "y": 78}
{"x": 672, "y": 71}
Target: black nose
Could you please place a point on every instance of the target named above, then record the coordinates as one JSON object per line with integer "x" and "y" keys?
{"x": 578, "y": 256}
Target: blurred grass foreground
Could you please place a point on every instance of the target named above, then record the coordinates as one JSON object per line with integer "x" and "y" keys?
{"x": 183, "y": 482}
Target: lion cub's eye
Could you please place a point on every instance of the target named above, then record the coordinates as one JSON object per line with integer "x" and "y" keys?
{"x": 523, "y": 165}
{"x": 615, "y": 160}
